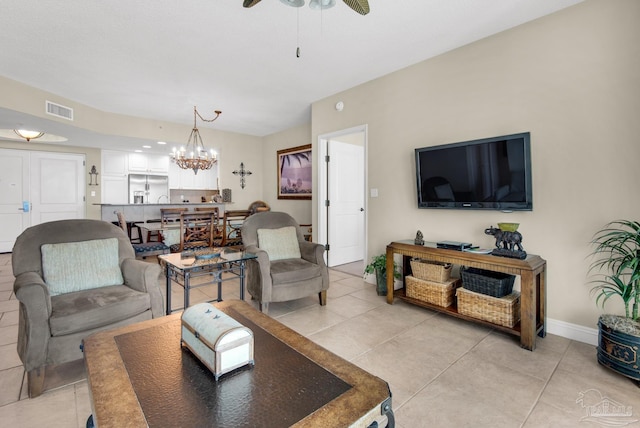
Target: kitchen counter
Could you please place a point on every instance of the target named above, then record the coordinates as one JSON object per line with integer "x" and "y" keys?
{"x": 164, "y": 204}
{"x": 145, "y": 212}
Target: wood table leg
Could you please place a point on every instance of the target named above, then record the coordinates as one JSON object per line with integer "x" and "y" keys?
{"x": 528, "y": 311}
{"x": 390, "y": 273}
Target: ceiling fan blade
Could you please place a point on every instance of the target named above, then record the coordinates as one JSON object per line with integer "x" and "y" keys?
{"x": 249, "y": 3}
{"x": 360, "y": 6}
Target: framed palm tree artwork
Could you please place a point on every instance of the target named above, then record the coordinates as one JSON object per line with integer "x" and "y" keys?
{"x": 294, "y": 173}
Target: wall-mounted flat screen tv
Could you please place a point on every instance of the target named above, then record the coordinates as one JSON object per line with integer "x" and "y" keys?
{"x": 491, "y": 173}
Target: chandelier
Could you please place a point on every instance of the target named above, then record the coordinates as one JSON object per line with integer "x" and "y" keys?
{"x": 194, "y": 156}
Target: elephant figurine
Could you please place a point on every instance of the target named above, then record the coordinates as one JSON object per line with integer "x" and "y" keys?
{"x": 511, "y": 241}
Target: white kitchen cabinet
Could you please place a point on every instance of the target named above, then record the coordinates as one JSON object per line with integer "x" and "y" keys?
{"x": 137, "y": 162}
{"x": 158, "y": 164}
{"x": 114, "y": 163}
{"x": 113, "y": 177}
{"x": 208, "y": 178}
{"x": 185, "y": 178}
{"x": 174, "y": 176}
{"x": 115, "y": 189}
{"x": 148, "y": 163}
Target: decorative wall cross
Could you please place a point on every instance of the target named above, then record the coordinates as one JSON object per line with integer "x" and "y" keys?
{"x": 242, "y": 173}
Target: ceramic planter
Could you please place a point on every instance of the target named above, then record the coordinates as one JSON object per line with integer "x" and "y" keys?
{"x": 381, "y": 281}
{"x": 619, "y": 345}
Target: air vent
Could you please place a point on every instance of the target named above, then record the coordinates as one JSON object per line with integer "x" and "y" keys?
{"x": 59, "y": 110}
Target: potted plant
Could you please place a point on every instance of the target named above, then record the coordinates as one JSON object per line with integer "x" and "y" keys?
{"x": 617, "y": 261}
{"x": 378, "y": 265}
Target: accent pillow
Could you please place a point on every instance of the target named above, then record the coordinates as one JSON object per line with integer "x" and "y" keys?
{"x": 279, "y": 243}
{"x": 74, "y": 266}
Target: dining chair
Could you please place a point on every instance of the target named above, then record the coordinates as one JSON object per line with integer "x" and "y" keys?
{"x": 168, "y": 215}
{"x": 232, "y": 227}
{"x": 218, "y": 227}
{"x": 196, "y": 231}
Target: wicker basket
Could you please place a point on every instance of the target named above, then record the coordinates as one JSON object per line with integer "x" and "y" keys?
{"x": 431, "y": 271}
{"x": 495, "y": 284}
{"x": 503, "y": 311}
{"x": 436, "y": 293}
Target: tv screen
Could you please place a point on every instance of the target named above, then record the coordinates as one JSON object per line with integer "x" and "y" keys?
{"x": 491, "y": 173}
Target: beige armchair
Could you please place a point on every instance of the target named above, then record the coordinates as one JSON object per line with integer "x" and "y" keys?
{"x": 287, "y": 267}
{"x": 75, "y": 278}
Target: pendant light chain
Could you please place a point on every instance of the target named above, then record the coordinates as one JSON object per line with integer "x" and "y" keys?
{"x": 298, "y": 32}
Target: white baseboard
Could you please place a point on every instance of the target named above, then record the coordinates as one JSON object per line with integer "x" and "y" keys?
{"x": 573, "y": 331}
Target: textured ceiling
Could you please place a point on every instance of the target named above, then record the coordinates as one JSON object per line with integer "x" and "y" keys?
{"x": 158, "y": 58}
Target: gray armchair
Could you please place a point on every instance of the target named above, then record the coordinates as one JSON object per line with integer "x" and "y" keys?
{"x": 289, "y": 277}
{"x": 57, "y": 309}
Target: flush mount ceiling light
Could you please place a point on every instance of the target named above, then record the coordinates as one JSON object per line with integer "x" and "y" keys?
{"x": 27, "y": 134}
{"x": 194, "y": 156}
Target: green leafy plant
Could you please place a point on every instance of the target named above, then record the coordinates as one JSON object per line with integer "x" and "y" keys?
{"x": 617, "y": 251}
{"x": 379, "y": 264}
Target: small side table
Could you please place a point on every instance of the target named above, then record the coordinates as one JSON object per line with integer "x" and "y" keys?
{"x": 182, "y": 267}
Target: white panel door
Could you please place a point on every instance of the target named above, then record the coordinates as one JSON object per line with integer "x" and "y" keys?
{"x": 57, "y": 186}
{"x": 14, "y": 196}
{"x": 346, "y": 203}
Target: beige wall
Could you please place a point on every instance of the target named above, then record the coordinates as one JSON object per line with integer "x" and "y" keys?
{"x": 232, "y": 148}
{"x": 572, "y": 79}
{"x": 294, "y": 137}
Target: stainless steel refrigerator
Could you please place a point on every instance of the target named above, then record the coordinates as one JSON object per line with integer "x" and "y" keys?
{"x": 147, "y": 189}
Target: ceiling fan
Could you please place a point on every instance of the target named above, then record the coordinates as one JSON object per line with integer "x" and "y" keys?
{"x": 360, "y": 6}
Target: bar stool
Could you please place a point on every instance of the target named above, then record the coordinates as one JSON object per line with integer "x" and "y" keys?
{"x": 143, "y": 249}
{"x": 154, "y": 235}
{"x": 129, "y": 227}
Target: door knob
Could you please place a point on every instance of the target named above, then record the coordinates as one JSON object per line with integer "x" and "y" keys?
{"x": 361, "y": 209}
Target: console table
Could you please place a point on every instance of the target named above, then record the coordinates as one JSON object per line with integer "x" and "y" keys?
{"x": 533, "y": 278}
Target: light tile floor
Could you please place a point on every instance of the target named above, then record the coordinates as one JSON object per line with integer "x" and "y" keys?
{"x": 443, "y": 372}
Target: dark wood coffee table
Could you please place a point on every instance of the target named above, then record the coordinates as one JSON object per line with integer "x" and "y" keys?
{"x": 140, "y": 376}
